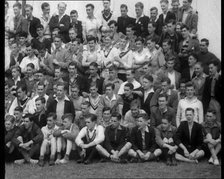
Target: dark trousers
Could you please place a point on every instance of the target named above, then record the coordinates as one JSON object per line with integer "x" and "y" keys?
{"x": 33, "y": 153}
{"x": 14, "y": 155}
{"x": 165, "y": 152}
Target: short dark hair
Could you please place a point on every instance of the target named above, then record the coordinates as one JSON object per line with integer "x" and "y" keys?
{"x": 62, "y": 84}
{"x": 184, "y": 26}
{"x": 53, "y": 115}
{"x": 152, "y": 39}
{"x": 18, "y": 108}
{"x": 168, "y": 41}
{"x": 29, "y": 116}
{"x": 124, "y": 6}
{"x": 163, "y": 96}
{"x": 172, "y": 21}
{"x": 7, "y": 3}
{"x": 189, "y": 84}
{"x": 130, "y": 85}
{"x": 148, "y": 77}
{"x": 72, "y": 63}
{"x": 165, "y": 1}
{"x": 206, "y": 41}
{"x": 68, "y": 116}
{"x": 189, "y": 109}
{"x": 45, "y": 4}
{"x": 117, "y": 115}
{"x": 211, "y": 111}
{"x": 23, "y": 34}
{"x": 140, "y": 39}
{"x": 73, "y": 12}
{"x": 31, "y": 65}
{"x": 90, "y": 38}
{"x": 194, "y": 54}
{"x": 112, "y": 22}
{"x": 110, "y": 85}
{"x": 92, "y": 117}
{"x": 153, "y": 23}
{"x": 90, "y": 5}
{"x": 113, "y": 68}
{"x": 93, "y": 64}
{"x": 22, "y": 86}
{"x": 166, "y": 79}
{"x": 106, "y": 109}
{"x": 42, "y": 99}
{"x": 39, "y": 26}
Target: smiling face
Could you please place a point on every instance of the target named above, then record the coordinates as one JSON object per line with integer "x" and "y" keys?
{"x": 146, "y": 84}
{"x": 190, "y": 91}
{"x": 164, "y": 7}
{"x": 67, "y": 123}
{"x": 198, "y": 69}
{"x": 106, "y": 115}
{"x": 61, "y": 8}
{"x": 60, "y": 92}
{"x": 50, "y": 122}
{"x": 39, "y": 105}
{"x": 28, "y": 11}
{"x": 162, "y": 101}
{"x": 89, "y": 11}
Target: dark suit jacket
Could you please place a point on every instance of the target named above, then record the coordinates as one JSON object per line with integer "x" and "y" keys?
{"x": 186, "y": 74}
{"x": 123, "y": 22}
{"x": 206, "y": 96}
{"x": 22, "y": 25}
{"x": 99, "y": 84}
{"x": 146, "y": 105}
{"x": 156, "y": 116}
{"x": 182, "y": 136}
{"x": 35, "y": 134}
{"x": 78, "y": 27}
{"x": 191, "y": 20}
{"x": 37, "y": 44}
{"x": 175, "y": 40}
{"x": 40, "y": 118}
{"x": 33, "y": 26}
{"x": 136, "y": 139}
{"x": 172, "y": 99}
{"x": 161, "y": 21}
{"x": 68, "y": 108}
{"x": 13, "y": 60}
{"x": 80, "y": 81}
{"x": 65, "y": 20}
{"x": 113, "y": 142}
{"x": 141, "y": 27}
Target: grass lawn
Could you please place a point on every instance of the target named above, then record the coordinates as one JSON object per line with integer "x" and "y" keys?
{"x": 113, "y": 170}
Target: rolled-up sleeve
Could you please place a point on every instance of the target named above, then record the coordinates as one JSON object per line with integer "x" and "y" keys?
{"x": 100, "y": 135}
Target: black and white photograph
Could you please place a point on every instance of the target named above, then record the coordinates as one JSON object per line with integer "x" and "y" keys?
{"x": 112, "y": 89}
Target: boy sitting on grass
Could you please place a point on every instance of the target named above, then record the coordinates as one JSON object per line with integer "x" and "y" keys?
{"x": 66, "y": 136}
{"x": 49, "y": 140}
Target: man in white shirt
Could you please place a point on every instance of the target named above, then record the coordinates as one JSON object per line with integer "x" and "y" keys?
{"x": 93, "y": 135}
{"x": 130, "y": 79}
{"x": 30, "y": 58}
{"x": 91, "y": 22}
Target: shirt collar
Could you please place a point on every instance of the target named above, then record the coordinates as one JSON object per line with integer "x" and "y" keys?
{"x": 65, "y": 98}
{"x": 91, "y": 17}
{"x": 149, "y": 91}
{"x": 94, "y": 129}
{"x": 112, "y": 99}
{"x": 146, "y": 129}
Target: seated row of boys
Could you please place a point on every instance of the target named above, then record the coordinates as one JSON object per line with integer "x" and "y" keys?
{"x": 189, "y": 142}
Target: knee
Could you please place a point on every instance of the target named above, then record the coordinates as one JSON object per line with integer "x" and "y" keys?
{"x": 128, "y": 145}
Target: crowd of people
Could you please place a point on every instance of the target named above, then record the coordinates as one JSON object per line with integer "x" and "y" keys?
{"x": 121, "y": 89}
